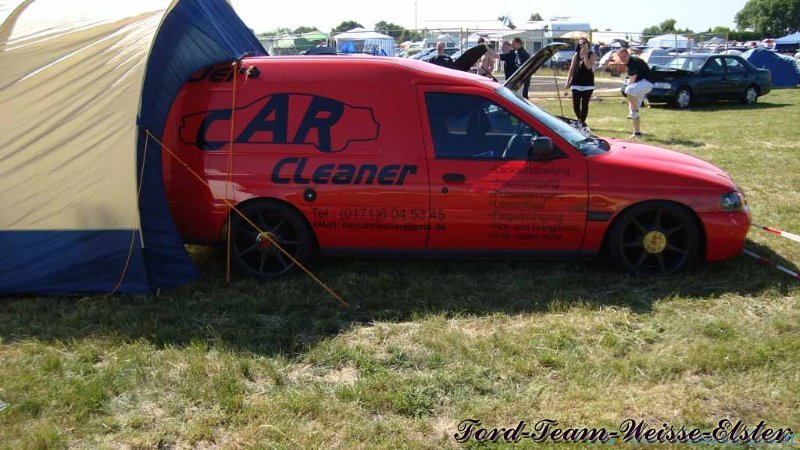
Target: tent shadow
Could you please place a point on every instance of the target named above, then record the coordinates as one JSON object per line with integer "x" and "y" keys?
{"x": 292, "y": 315}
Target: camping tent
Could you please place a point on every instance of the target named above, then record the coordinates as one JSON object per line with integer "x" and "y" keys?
{"x": 785, "y": 70}
{"x": 359, "y": 40}
{"x": 670, "y": 41}
{"x": 82, "y": 203}
{"x": 788, "y": 43}
{"x": 715, "y": 42}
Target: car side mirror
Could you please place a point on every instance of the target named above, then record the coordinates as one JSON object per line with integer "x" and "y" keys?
{"x": 541, "y": 149}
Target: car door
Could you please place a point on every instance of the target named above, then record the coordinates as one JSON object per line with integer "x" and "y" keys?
{"x": 486, "y": 195}
{"x": 712, "y": 83}
{"x": 738, "y": 77}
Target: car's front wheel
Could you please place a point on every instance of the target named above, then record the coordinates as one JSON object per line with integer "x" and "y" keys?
{"x": 684, "y": 98}
{"x": 750, "y": 96}
{"x": 256, "y": 242}
{"x": 654, "y": 238}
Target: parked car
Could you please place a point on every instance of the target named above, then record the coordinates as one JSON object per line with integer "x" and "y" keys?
{"x": 449, "y": 51}
{"x": 424, "y": 52}
{"x": 388, "y": 156}
{"x": 611, "y": 63}
{"x": 656, "y": 56}
{"x": 687, "y": 79}
{"x": 562, "y": 59}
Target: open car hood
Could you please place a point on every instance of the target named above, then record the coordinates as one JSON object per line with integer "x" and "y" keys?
{"x": 469, "y": 58}
{"x": 533, "y": 64}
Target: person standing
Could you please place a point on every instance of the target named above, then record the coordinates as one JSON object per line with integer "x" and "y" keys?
{"x": 487, "y": 61}
{"x": 640, "y": 83}
{"x": 521, "y": 56}
{"x": 508, "y": 57}
{"x": 581, "y": 79}
{"x": 441, "y": 59}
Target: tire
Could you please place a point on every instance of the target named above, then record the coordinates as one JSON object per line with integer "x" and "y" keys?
{"x": 654, "y": 238}
{"x": 750, "y": 96}
{"x": 253, "y": 251}
{"x": 684, "y": 97}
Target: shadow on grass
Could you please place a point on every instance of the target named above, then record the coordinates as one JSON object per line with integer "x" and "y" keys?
{"x": 672, "y": 141}
{"x": 649, "y": 138}
{"x": 291, "y": 315}
{"x": 722, "y": 106}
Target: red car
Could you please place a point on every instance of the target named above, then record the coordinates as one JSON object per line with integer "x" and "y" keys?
{"x": 389, "y": 156}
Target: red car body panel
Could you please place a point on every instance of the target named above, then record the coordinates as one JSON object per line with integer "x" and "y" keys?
{"x": 347, "y": 142}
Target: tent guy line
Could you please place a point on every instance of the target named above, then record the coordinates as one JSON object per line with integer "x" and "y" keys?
{"x": 261, "y": 232}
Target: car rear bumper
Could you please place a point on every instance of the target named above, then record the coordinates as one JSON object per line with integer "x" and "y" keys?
{"x": 725, "y": 233}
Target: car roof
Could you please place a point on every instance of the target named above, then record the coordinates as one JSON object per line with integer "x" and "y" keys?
{"x": 432, "y": 72}
{"x": 699, "y": 55}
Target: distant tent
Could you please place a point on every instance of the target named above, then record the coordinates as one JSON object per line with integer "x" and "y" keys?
{"x": 788, "y": 43}
{"x": 670, "y": 41}
{"x": 714, "y": 42}
{"x": 359, "y": 40}
{"x": 315, "y": 36}
{"x": 82, "y": 205}
{"x": 472, "y": 39}
{"x": 785, "y": 69}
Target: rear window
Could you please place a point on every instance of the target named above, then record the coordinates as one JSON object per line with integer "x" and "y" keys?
{"x": 734, "y": 66}
{"x": 684, "y": 63}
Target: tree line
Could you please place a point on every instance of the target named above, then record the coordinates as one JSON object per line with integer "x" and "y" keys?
{"x": 758, "y": 19}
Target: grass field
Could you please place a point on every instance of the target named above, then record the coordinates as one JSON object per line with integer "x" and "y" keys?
{"x": 280, "y": 365}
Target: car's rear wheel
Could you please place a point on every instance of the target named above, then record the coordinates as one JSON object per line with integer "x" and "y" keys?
{"x": 256, "y": 250}
{"x": 654, "y": 238}
{"x": 684, "y": 98}
{"x": 750, "y": 96}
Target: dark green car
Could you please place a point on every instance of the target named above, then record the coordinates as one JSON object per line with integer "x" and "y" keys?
{"x": 687, "y": 79}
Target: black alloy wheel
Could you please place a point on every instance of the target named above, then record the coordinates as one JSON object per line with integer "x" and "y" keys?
{"x": 256, "y": 250}
{"x": 654, "y": 238}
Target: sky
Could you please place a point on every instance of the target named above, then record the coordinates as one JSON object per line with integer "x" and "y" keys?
{"x": 619, "y": 15}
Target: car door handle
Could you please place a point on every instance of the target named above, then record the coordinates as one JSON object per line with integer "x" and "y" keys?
{"x": 454, "y": 178}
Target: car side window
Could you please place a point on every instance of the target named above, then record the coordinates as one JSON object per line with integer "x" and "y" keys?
{"x": 734, "y": 65}
{"x": 714, "y": 65}
{"x": 473, "y": 127}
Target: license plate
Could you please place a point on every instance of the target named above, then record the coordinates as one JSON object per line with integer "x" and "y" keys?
{"x": 662, "y": 86}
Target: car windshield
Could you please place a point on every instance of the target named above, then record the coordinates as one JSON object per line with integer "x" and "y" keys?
{"x": 586, "y": 145}
{"x": 685, "y": 63}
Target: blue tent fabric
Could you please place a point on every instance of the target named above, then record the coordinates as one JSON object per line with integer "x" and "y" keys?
{"x": 195, "y": 34}
{"x": 90, "y": 261}
{"x": 790, "y": 39}
{"x": 788, "y": 43}
{"x": 348, "y": 47}
{"x": 785, "y": 70}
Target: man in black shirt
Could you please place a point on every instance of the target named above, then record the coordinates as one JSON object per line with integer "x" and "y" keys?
{"x": 508, "y": 57}
{"x": 640, "y": 83}
{"x": 522, "y": 56}
{"x": 441, "y": 59}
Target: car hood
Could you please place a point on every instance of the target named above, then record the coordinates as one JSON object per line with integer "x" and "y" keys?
{"x": 533, "y": 64}
{"x": 469, "y": 58}
{"x": 657, "y": 159}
